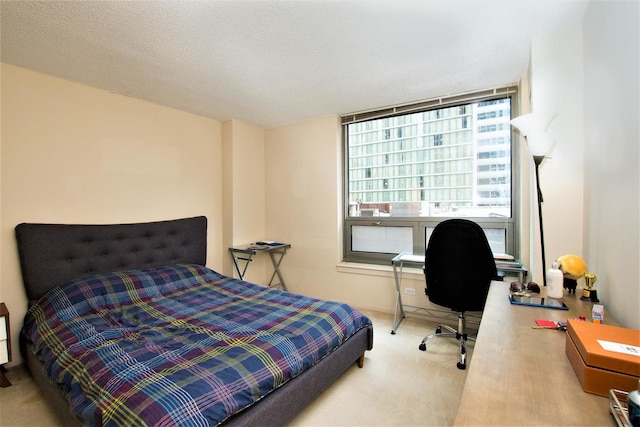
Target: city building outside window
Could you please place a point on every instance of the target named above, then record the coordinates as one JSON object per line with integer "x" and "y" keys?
{"x": 411, "y": 166}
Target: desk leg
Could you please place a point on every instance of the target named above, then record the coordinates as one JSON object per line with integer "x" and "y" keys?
{"x": 397, "y": 275}
{"x": 276, "y": 267}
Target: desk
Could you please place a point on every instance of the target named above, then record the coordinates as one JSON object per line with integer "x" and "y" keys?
{"x": 521, "y": 376}
{"x": 417, "y": 261}
{"x": 245, "y": 254}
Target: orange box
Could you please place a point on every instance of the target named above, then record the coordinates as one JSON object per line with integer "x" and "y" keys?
{"x": 600, "y": 370}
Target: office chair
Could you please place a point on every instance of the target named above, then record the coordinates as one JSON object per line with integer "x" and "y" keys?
{"x": 459, "y": 267}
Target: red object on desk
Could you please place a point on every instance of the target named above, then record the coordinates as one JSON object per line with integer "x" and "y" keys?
{"x": 546, "y": 324}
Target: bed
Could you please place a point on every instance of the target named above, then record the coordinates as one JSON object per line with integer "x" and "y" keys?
{"x": 127, "y": 326}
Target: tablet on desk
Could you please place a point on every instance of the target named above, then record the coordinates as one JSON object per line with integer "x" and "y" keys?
{"x": 558, "y": 304}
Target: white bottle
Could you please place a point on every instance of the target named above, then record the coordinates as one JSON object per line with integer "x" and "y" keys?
{"x": 555, "y": 280}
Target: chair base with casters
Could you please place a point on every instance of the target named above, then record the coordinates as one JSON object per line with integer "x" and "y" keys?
{"x": 460, "y": 334}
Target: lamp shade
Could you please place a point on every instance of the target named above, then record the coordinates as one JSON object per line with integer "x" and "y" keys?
{"x": 534, "y": 127}
{"x": 539, "y": 143}
{"x": 533, "y": 122}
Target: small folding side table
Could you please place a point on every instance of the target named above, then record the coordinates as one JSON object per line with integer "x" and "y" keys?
{"x": 243, "y": 255}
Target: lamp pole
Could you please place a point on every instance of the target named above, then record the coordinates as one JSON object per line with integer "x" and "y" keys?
{"x": 533, "y": 126}
{"x": 538, "y": 160}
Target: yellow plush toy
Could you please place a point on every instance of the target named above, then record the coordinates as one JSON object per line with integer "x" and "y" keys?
{"x": 573, "y": 267}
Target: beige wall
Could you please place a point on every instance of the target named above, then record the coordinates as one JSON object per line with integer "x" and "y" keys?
{"x": 74, "y": 154}
{"x": 554, "y": 57}
{"x": 588, "y": 74}
{"x": 612, "y": 154}
{"x": 304, "y": 207}
{"x": 244, "y": 189}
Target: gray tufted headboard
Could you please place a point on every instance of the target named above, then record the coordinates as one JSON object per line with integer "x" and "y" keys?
{"x": 51, "y": 254}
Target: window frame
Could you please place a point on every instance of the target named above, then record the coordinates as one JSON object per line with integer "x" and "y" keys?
{"x": 421, "y": 224}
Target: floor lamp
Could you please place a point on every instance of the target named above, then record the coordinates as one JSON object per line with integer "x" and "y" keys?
{"x": 533, "y": 127}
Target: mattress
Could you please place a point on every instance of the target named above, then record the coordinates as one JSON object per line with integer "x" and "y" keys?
{"x": 178, "y": 345}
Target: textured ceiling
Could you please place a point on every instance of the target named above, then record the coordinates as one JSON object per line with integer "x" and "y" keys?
{"x": 278, "y": 62}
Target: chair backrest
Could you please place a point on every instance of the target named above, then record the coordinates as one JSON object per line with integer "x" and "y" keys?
{"x": 459, "y": 265}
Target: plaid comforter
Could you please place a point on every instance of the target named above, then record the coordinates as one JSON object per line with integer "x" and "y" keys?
{"x": 179, "y": 345}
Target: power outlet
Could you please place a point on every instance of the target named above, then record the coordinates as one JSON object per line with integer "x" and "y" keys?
{"x": 410, "y": 291}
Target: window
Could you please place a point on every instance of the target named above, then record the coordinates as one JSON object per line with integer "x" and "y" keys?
{"x": 407, "y": 170}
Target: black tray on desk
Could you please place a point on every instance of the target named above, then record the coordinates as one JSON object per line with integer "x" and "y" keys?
{"x": 532, "y": 301}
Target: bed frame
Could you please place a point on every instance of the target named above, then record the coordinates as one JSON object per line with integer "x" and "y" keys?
{"x": 51, "y": 254}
